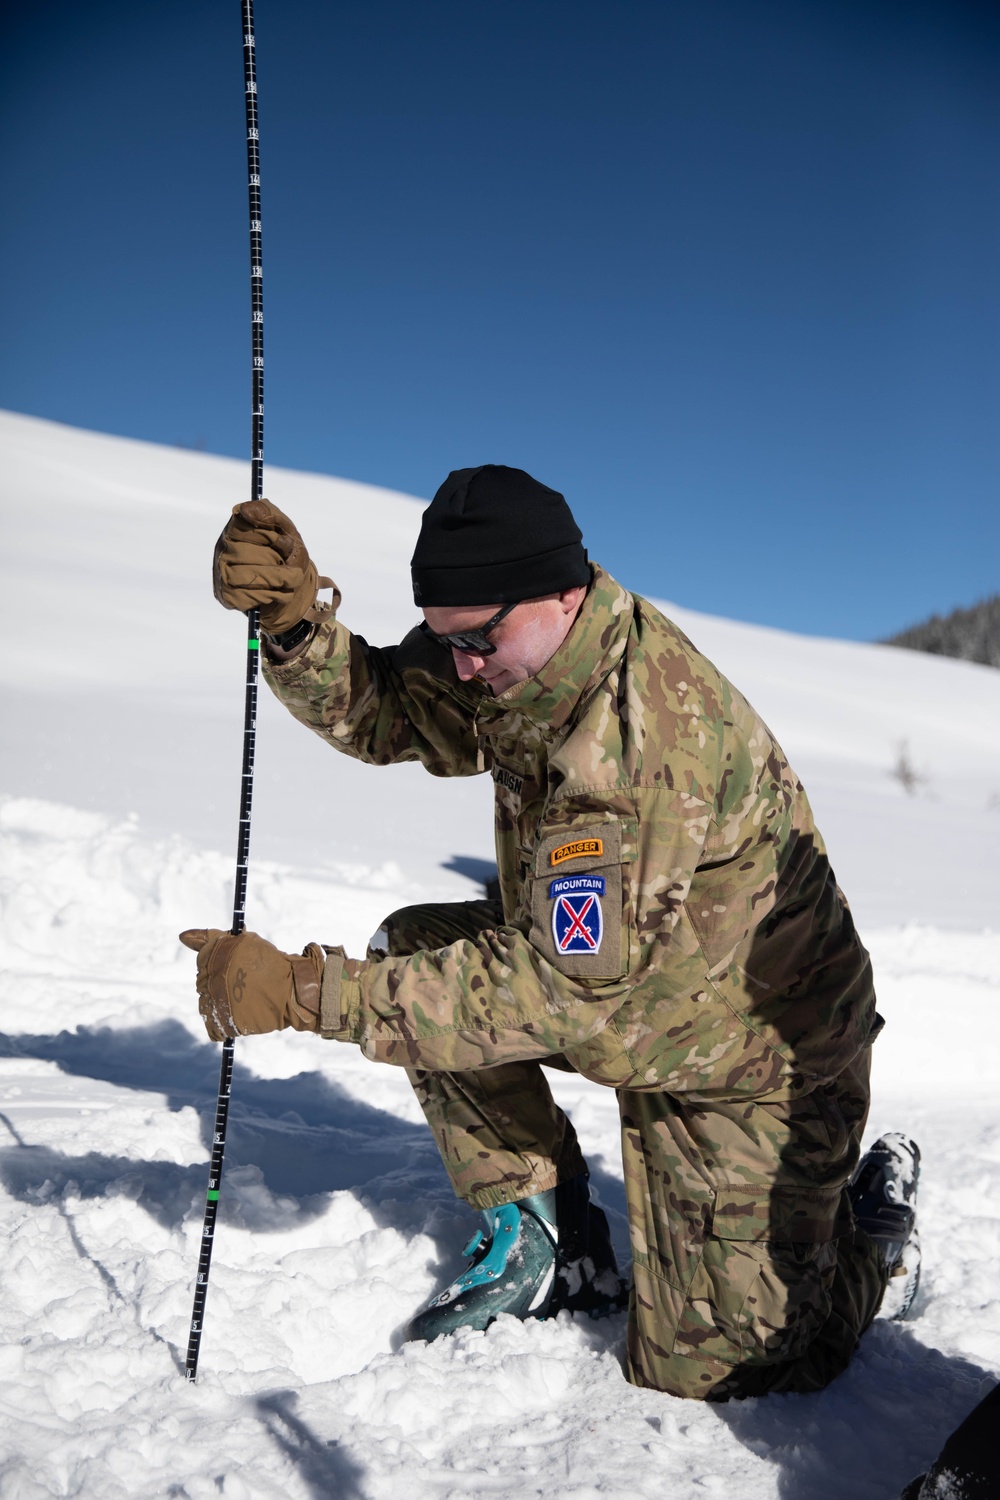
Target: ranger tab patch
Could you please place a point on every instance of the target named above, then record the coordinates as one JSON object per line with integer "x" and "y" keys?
{"x": 579, "y": 849}
{"x": 577, "y": 918}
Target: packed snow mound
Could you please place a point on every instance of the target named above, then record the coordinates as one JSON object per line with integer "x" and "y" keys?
{"x": 117, "y": 824}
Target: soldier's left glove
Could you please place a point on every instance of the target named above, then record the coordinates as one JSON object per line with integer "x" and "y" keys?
{"x": 246, "y": 986}
{"x": 261, "y": 563}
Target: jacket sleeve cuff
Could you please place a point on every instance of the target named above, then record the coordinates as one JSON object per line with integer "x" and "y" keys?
{"x": 340, "y": 999}
{"x": 313, "y": 656}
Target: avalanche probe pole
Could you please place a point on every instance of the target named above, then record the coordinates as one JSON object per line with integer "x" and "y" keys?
{"x": 250, "y": 715}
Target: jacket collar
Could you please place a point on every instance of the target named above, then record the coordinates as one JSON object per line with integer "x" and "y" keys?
{"x": 589, "y": 653}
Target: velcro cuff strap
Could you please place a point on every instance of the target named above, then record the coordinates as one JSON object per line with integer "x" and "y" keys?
{"x": 321, "y": 610}
{"x": 307, "y": 973}
{"x": 340, "y": 1002}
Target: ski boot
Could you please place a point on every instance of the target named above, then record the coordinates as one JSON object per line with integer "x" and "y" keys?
{"x": 883, "y": 1194}
{"x": 539, "y": 1255}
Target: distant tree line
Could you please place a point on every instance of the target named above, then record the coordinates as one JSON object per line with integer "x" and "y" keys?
{"x": 969, "y": 634}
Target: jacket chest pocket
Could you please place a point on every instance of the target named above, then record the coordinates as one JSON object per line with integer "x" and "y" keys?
{"x": 580, "y": 915}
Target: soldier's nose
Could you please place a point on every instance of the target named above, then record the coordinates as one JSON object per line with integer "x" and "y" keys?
{"x": 467, "y": 666}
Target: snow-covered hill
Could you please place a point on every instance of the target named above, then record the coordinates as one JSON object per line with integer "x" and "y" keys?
{"x": 121, "y": 739}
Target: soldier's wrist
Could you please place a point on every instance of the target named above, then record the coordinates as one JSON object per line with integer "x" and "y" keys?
{"x": 287, "y": 644}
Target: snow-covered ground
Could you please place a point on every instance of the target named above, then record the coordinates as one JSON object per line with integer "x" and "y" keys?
{"x": 121, "y": 737}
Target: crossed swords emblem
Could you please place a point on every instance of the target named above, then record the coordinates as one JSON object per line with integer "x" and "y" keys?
{"x": 576, "y": 927}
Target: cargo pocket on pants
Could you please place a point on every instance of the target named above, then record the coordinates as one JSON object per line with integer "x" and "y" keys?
{"x": 756, "y": 1302}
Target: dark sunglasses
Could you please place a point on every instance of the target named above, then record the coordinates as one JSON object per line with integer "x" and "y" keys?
{"x": 471, "y": 642}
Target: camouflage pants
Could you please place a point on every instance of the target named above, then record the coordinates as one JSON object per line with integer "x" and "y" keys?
{"x": 710, "y": 1316}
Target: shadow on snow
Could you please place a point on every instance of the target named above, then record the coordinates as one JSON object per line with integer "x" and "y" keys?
{"x": 867, "y": 1434}
{"x": 324, "y": 1467}
{"x": 305, "y": 1136}
{"x": 300, "y": 1138}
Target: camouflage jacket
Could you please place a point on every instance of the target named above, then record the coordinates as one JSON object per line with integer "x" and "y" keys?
{"x": 671, "y": 921}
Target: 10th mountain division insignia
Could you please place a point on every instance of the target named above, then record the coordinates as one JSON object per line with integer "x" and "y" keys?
{"x": 577, "y": 917}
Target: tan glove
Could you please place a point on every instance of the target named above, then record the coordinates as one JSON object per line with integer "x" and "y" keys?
{"x": 246, "y": 986}
{"x": 261, "y": 563}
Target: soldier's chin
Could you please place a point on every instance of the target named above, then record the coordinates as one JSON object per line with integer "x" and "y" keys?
{"x": 502, "y": 681}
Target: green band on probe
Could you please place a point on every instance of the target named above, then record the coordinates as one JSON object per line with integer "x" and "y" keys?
{"x": 213, "y": 1195}
{"x": 253, "y": 645}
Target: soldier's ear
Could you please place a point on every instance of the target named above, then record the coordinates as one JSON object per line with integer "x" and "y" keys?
{"x": 571, "y": 599}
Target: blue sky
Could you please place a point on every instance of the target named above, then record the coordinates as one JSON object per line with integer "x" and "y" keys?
{"x": 724, "y": 272}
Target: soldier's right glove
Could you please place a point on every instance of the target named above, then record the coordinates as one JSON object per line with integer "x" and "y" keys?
{"x": 247, "y": 986}
{"x": 261, "y": 563}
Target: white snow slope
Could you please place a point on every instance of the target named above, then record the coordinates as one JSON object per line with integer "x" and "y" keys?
{"x": 122, "y": 685}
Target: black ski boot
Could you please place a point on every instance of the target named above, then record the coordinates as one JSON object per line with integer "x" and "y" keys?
{"x": 587, "y": 1277}
{"x": 883, "y": 1194}
{"x": 538, "y": 1255}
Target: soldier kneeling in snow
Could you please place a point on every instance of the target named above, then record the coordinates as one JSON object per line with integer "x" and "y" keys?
{"x": 669, "y": 926}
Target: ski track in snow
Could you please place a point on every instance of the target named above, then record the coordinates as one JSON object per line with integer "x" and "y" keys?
{"x": 336, "y": 1218}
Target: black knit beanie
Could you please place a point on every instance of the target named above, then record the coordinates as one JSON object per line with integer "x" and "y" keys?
{"x": 494, "y": 535}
